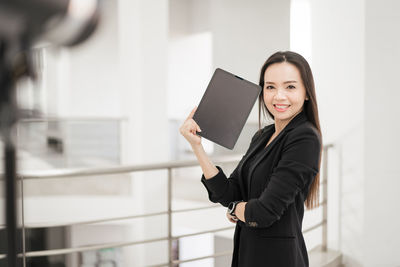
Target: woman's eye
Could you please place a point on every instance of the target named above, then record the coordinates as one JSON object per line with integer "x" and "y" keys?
{"x": 269, "y": 87}
{"x": 291, "y": 86}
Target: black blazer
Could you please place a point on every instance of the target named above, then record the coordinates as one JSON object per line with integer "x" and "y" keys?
{"x": 277, "y": 186}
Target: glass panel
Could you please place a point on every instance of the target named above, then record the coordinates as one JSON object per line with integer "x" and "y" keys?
{"x": 68, "y": 143}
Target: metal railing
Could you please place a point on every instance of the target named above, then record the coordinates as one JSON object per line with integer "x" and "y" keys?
{"x": 169, "y": 166}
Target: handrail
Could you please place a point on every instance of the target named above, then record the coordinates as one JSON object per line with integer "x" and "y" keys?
{"x": 54, "y": 174}
{"x": 77, "y": 173}
{"x": 63, "y": 119}
{"x": 129, "y": 217}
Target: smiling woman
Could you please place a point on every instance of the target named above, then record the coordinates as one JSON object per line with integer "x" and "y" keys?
{"x": 279, "y": 172}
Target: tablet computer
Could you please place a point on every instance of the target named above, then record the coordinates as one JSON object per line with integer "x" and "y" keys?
{"x": 225, "y": 107}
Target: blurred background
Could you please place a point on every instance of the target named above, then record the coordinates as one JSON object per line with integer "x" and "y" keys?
{"x": 107, "y": 180}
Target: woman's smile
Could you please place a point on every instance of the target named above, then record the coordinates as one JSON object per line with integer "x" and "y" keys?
{"x": 281, "y": 108}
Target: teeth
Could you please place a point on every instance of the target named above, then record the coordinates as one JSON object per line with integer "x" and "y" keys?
{"x": 278, "y": 106}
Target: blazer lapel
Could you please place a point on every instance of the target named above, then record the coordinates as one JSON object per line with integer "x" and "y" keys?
{"x": 298, "y": 119}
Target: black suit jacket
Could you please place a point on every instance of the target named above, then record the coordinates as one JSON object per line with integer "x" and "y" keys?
{"x": 277, "y": 186}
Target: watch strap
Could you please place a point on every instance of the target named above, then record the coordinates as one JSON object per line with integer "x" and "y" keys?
{"x": 232, "y": 207}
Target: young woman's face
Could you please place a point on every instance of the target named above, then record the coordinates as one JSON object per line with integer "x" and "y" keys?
{"x": 284, "y": 92}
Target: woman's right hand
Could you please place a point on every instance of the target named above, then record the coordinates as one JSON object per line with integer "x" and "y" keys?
{"x": 232, "y": 219}
{"x": 189, "y": 128}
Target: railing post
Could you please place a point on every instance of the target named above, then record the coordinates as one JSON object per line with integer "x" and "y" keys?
{"x": 170, "y": 252}
{"x": 21, "y": 180}
{"x": 325, "y": 201}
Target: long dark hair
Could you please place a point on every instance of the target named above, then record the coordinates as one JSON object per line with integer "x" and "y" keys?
{"x": 310, "y": 107}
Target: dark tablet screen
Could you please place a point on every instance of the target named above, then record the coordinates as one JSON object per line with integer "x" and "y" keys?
{"x": 225, "y": 107}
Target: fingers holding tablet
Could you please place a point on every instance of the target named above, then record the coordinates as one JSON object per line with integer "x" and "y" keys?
{"x": 190, "y": 128}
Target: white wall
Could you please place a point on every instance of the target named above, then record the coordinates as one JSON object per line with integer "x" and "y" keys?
{"x": 355, "y": 51}
{"x": 246, "y": 34}
{"x": 382, "y": 144}
{"x": 338, "y": 68}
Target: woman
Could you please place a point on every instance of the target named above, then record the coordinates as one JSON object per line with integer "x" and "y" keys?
{"x": 278, "y": 174}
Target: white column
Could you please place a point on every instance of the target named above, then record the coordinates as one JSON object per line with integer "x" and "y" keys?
{"x": 143, "y": 39}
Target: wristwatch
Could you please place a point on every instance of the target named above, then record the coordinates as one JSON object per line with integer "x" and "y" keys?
{"x": 232, "y": 206}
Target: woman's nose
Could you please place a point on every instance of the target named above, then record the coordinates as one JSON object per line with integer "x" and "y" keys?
{"x": 280, "y": 94}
